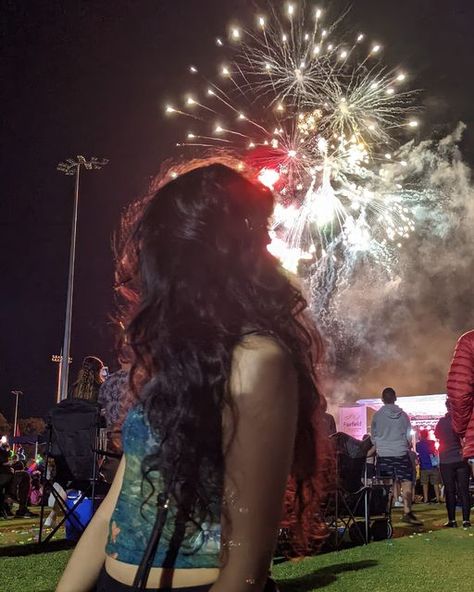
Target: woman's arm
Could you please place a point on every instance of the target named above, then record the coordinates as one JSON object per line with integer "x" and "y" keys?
{"x": 258, "y": 461}
{"x": 83, "y": 569}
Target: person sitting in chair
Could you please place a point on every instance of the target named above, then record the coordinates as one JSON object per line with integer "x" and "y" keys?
{"x": 16, "y": 485}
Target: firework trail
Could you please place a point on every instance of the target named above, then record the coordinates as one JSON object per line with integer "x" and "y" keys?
{"x": 318, "y": 116}
{"x": 323, "y": 122}
{"x": 400, "y": 328}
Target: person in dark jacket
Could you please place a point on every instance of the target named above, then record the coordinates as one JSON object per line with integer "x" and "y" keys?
{"x": 454, "y": 470}
{"x": 15, "y": 484}
{"x": 328, "y": 421}
{"x": 460, "y": 389}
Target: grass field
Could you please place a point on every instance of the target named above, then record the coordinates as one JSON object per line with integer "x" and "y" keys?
{"x": 420, "y": 561}
{"x": 417, "y": 563}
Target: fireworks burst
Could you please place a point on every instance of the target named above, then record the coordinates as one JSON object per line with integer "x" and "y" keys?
{"x": 317, "y": 115}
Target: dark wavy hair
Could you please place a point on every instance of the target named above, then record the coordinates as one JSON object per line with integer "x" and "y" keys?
{"x": 195, "y": 276}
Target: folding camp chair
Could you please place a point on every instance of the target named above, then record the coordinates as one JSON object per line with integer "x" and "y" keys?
{"x": 349, "y": 502}
{"x": 73, "y": 442}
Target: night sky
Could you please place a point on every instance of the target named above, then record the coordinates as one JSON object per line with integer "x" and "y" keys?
{"x": 92, "y": 77}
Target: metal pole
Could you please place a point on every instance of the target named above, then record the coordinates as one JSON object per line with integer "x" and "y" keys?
{"x": 15, "y": 423}
{"x": 56, "y": 358}
{"x": 58, "y": 389}
{"x": 71, "y": 167}
{"x": 64, "y": 364}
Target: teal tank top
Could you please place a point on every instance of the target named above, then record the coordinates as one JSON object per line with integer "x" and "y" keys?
{"x": 132, "y": 520}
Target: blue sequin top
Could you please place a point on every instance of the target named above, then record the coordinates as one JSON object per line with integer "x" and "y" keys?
{"x": 132, "y": 520}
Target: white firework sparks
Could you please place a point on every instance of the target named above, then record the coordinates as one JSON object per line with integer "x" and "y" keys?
{"x": 315, "y": 114}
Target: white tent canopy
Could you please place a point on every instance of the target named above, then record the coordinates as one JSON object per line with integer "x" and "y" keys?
{"x": 415, "y": 405}
{"x": 424, "y": 412}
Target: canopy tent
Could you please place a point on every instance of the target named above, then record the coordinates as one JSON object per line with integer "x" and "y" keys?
{"x": 424, "y": 411}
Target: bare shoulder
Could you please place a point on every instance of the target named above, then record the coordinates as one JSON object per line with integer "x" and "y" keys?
{"x": 261, "y": 349}
{"x": 260, "y": 363}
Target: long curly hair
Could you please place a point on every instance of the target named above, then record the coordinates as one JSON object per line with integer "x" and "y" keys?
{"x": 195, "y": 275}
{"x": 88, "y": 379}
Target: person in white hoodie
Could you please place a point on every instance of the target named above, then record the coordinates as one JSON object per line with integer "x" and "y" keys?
{"x": 391, "y": 436}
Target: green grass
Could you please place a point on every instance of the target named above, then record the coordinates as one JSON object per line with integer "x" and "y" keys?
{"x": 32, "y": 573}
{"x": 23, "y": 531}
{"x": 417, "y": 562}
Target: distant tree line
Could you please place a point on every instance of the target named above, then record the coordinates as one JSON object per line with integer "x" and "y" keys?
{"x": 28, "y": 426}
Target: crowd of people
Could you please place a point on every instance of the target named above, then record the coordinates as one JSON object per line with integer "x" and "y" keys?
{"x": 20, "y": 482}
{"x": 219, "y": 405}
{"x": 443, "y": 467}
{"x": 21, "y": 471}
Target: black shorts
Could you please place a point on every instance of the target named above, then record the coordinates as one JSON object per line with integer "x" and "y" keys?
{"x": 395, "y": 467}
{"x": 108, "y": 584}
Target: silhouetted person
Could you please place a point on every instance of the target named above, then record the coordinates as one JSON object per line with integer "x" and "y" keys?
{"x": 454, "y": 470}
{"x": 15, "y": 484}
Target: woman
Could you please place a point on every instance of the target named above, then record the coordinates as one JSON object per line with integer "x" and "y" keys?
{"x": 454, "y": 470}
{"x": 89, "y": 379}
{"x": 224, "y": 388}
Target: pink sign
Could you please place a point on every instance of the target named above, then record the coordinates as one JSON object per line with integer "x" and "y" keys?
{"x": 353, "y": 421}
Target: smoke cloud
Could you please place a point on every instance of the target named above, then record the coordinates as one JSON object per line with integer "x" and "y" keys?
{"x": 397, "y": 324}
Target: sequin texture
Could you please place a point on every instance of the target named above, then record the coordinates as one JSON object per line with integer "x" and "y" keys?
{"x": 132, "y": 519}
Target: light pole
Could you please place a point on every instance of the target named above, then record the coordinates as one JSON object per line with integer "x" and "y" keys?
{"x": 73, "y": 167}
{"x": 15, "y": 423}
{"x": 58, "y": 359}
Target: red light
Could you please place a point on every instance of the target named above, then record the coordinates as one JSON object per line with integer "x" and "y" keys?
{"x": 268, "y": 177}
